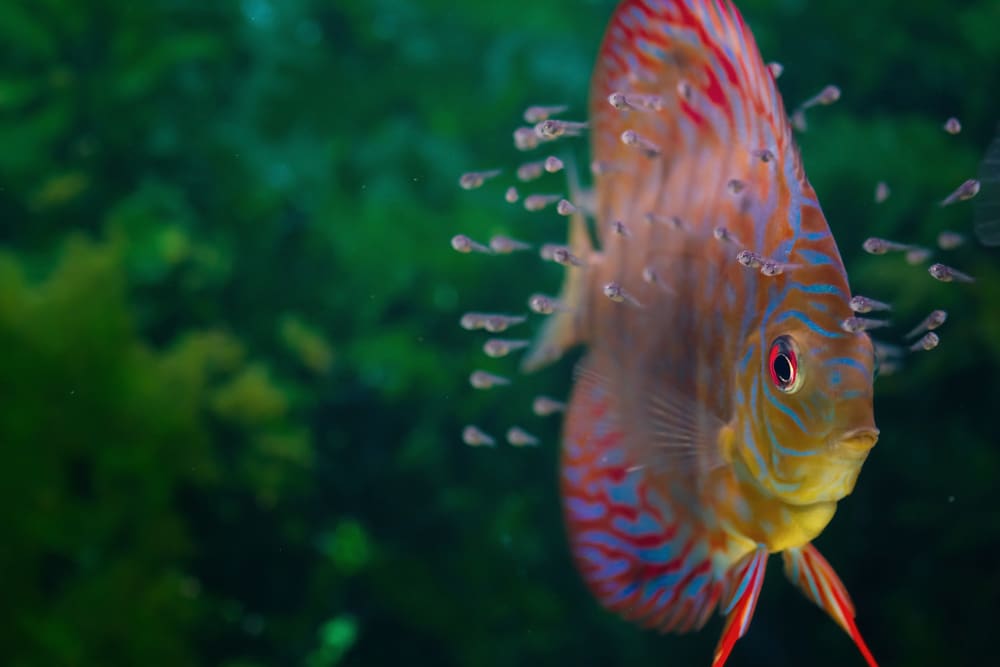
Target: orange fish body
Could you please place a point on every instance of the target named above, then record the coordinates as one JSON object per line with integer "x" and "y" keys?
{"x": 723, "y": 407}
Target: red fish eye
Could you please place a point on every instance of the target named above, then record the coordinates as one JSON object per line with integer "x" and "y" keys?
{"x": 782, "y": 364}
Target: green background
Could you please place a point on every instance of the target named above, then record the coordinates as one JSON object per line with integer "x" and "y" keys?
{"x": 231, "y": 371}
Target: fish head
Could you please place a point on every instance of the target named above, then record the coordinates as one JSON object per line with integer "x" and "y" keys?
{"x": 810, "y": 422}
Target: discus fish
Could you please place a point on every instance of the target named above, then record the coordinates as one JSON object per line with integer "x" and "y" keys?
{"x": 719, "y": 413}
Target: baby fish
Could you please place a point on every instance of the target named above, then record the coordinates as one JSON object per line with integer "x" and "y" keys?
{"x": 856, "y": 324}
{"x": 619, "y": 228}
{"x": 553, "y": 164}
{"x": 825, "y": 97}
{"x": 602, "y": 167}
{"x": 670, "y": 221}
{"x": 877, "y": 246}
{"x": 464, "y": 244}
{"x": 886, "y": 351}
{"x": 651, "y": 277}
{"x": 648, "y": 148}
{"x": 775, "y": 69}
{"x": 518, "y": 437}
{"x": 798, "y": 120}
{"x": 484, "y": 380}
{"x": 772, "y": 267}
{"x": 503, "y": 245}
{"x": 525, "y": 139}
{"x": 536, "y": 114}
{"x": 529, "y": 171}
{"x": 500, "y": 323}
{"x": 473, "y": 321}
{"x": 565, "y": 207}
{"x": 966, "y": 190}
{"x": 888, "y": 358}
{"x": 735, "y": 186}
{"x": 929, "y": 323}
{"x": 560, "y": 254}
{"x": 501, "y": 347}
{"x": 511, "y": 196}
{"x": 549, "y": 130}
{"x": 538, "y": 202}
{"x": 750, "y": 259}
{"x": 881, "y": 192}
{"x": 475, "y": 437}
{"x": 929, "y": 341}
{"x": 544, "y": 304}
{"x": 916, "y": 255}
{"x": 952, "y": 126}
{"x": 636, "y": 102}
{"x": 949, "y": 240}
{"x": 543, "y": 406}
{"x": 862, "y": 304}
{"x": 723, "y": 234}
{"x": 684, "y": 90}
{"x": 946, "y": 274}
{"x": 617, "y": 293}
{"x": 474, "y": 179}
{"x": 494, "y": 323}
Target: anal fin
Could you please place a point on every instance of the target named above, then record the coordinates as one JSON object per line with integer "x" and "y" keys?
{"x": 746, "y": 579}
{"x": 807, "y": 569}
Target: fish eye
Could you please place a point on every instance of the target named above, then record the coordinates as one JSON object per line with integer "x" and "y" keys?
{"x": 783, "y": 365}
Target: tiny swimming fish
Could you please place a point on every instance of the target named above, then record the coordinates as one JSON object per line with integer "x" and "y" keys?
{"x": 719, "y": 413}
{"x": 929, "y": 323}
{"x": 947, "y": 274}
{"x": 966, "y": 190}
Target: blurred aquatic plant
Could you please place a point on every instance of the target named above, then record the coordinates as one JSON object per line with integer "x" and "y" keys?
{"x": 259, "y": 340}
{"x": 348, "y": 546}
{"x": 336, "y": 637}
{"x": 99, "y": 432}
{"x": 103, "y": 436}
{"x": 307, "y": 344}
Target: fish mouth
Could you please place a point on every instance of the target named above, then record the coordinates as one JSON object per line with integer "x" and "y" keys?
{"x": 857, "y": 443}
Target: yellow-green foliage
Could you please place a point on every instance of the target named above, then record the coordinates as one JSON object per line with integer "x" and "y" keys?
{"x": 97, "y": 433}
{"x": 100, "y": 434}
{"x": 232, "y": 380}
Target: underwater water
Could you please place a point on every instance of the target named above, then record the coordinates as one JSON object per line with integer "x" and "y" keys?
{"x": 232, "y": 374}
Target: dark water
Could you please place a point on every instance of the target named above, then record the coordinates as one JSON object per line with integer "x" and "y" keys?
{"x": 233, "y": 381}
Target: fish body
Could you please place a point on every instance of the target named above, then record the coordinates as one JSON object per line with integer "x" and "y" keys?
{"x": 720, "y": 411}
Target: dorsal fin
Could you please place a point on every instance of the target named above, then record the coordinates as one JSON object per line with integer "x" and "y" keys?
{"x": 699, "y": 91}
{"x": 566, "y": 328}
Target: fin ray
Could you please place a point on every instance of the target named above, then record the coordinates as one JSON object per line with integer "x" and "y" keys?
{"x": 807, "y": 569}
{"x": 745, "y": 582}
{"x": 636, "y": 539}
{"x": 716, "y": 96}
{"x": 567, "y": 328}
